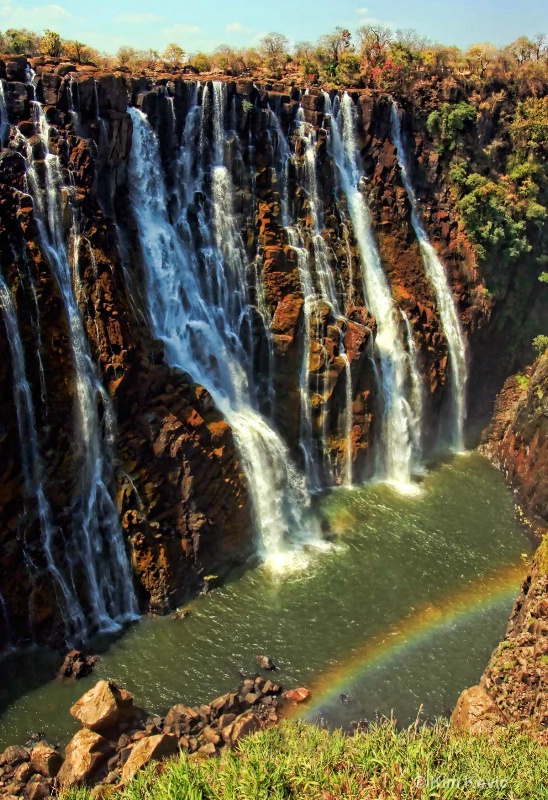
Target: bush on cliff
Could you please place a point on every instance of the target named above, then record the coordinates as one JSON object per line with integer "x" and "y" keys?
{"x": 305, "y": 762}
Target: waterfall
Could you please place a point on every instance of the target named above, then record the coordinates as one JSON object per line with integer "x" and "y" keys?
{"x": 436, "y": 274}
{"x": 318, "y": 467}
{"x": 33, "y": 469}
{"x": 96, "y": 547}
{"x": 4, "y": 121}
{"x": 196, "y": 281}
{"x": 396, "y": 440}
{"x": 324, "y": 275}
{"x": 348, "y": 420}
{"x": 417, "y": 391}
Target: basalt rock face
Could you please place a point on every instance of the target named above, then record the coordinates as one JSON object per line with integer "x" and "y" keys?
{"x": 180, "y": 489}
{"x": 516, "y": 678}
{"x": 178, "y": 484}
{"x": 517, "y": 438}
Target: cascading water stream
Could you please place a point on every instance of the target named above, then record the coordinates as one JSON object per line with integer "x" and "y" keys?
{"x": 315, "y": 451}
{"x": 96, "y": 547}
{"x": 200, "y": 321}
{"x": 397, "y": 456}
{"x": 417, "y": 390}
{"x": 33, "y": 469}
{"x": 435, "y": 272}
{"x": 4, "y": 121}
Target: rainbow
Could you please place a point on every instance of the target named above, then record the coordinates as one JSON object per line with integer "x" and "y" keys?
{"x": 494, "y": 589}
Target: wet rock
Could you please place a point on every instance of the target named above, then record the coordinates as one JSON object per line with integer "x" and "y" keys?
{"x": 103, "y": 707}
{"x": 153, "y": 748}
{"x": 476, "y": 712}
{"x": 208, "y": 749}
{"x": 38, "y": 788}
{"x": 16, "y": 69}
{"x": 246, "y": 723}
{"x": 180, "y": 614}
{"x": 181, "y": 715}
{"x": 14, "y": 755}
{"x": 300, "y": 695}
{"x": 265, "y": 662}
{"x": 23, "y": 772}
{"x": 77, "y": 665}
{"x": 84, "y": 754}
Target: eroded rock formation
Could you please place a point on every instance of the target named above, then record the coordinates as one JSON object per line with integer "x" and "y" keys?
{"x": 179, "y": 485}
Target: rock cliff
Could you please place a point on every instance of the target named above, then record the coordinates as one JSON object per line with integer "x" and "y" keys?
{"x": 179, "y": 485}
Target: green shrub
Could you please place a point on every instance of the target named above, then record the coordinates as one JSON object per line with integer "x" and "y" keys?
{"x": 449, "y": 122}
{"x": 540, "y": 344}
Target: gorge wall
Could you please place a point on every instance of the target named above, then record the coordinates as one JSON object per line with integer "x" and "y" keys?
{"x": 236, "y": 201}
{"x": 514, "y": 686}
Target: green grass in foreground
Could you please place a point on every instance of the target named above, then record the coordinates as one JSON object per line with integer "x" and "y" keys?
{"x": 305, "y": 762}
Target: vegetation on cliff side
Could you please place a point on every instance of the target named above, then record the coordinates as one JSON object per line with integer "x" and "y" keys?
{"x": 306, "y": 762}
{"x": 373, "y": 56}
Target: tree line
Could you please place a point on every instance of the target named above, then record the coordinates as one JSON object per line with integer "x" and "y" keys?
{"x": 373, "y": 56}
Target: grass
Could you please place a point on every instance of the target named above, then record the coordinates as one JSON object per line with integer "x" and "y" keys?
{"x": 304, "y": 762}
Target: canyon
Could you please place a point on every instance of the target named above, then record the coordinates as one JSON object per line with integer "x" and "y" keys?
{"x": 221, "y": 298}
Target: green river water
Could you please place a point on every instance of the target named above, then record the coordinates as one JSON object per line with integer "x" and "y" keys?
{"x": 401, "y": 612}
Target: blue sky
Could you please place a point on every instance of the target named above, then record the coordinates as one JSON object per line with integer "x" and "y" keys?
{"x": 203, "y": 24}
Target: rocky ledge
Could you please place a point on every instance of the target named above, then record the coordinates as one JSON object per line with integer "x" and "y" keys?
{"x": 514, "y": 687}
{"x": 118, "y": 738}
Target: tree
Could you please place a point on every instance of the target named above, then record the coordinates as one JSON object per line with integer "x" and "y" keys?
{"x": 174, "y": 54}
{"x": 22, "y": 42}
{"x": 336, "y": 43}
{"x": 201, "y": 61}
{"x": 374, "y": 43}
{"x": 78, "y": 52}
{"x": 228, "y": 59}
{"x": 275, "y": 49}
{"x": 126, "y": 55}
{"x": 480, "y": 56}
{"x": 539, "y": 41}
{"x": 523, "y": 49}
{"x": 51, "y": 44}
{"x": 304, "y": 51}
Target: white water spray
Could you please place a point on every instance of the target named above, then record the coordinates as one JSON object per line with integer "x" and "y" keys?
{"x": 436, "y": 274}
{"x": 97, "y": 545}
{"x": 200, "y": 320}
{"x": 396, "y": 458}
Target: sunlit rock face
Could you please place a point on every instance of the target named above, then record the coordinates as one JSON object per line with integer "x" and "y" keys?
{"x": 218, "y": 304}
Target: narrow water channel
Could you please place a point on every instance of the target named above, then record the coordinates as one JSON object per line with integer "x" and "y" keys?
{"x": 401, "y": 613}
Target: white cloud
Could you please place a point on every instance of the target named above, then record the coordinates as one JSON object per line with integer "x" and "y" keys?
{"x": 55, "y": 10}
{"x": 182, "y": 30}
{"x": 137, "y": 19}
{"x": 36, "y": 18}
{"x": 362, "y": 11}
{"x": 235, "y": 27}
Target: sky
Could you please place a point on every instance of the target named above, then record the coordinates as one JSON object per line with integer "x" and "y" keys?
{"x": 204, "y": 24}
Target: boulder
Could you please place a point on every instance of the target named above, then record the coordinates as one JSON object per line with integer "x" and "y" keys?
{"x": 265, "y": 662}
{"x": 246, "y": 723}
{"x": 38, "y": 788}
{"x": 46, "y": 760}
{"x": 104, "y": 707}
{"x": 13, "y": 756}
{"x": 77, "y": 665}
{"x": 153, "y": 748}
{"x": 16, "y": 69}
{"x": 476, "y": 712}
{"x": 84, "y": 754}
{"x": 23, "y": 772}
{"x": 225, "y": 704}
{"x": 65, "y": 69}
{"x": 297, "y": 695}
{"x": 181, "y": 715}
